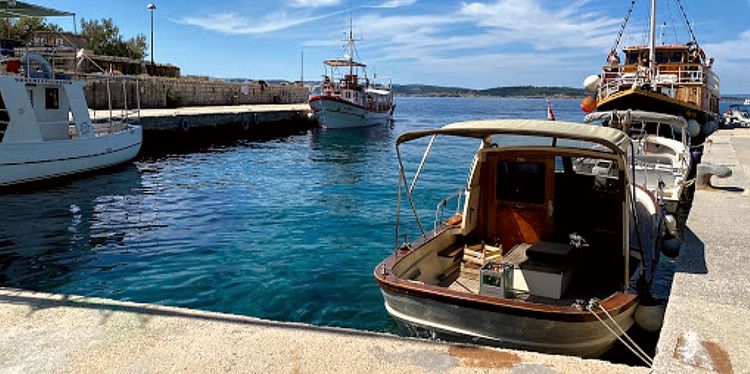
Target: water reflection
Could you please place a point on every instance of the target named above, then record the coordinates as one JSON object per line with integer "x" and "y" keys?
{"x": 49, "y": 231}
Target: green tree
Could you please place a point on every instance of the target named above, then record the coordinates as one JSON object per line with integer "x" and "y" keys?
{"x": 23, "y": 28}
{"x": 103, "y": 37}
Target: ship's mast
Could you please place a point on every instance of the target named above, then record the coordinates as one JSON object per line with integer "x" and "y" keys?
{"x": 351, "y": 47}
{"x": 652, "y": 42}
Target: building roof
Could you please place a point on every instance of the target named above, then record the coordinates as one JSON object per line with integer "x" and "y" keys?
{"x": 613, "y": 139}
{"x": 21, "y": 9}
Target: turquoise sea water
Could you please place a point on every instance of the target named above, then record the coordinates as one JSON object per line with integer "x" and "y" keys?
{"x": 287, "y": 229}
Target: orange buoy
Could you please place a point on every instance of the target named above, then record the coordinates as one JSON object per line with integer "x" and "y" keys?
{"x": 588, "y": 104}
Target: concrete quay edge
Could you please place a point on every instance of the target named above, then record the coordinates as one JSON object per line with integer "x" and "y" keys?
{"x": 705, "y": 326}
{"x": 43, "y": 332}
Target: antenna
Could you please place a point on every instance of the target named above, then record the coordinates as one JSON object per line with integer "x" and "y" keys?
{"x": 302, "y": 68}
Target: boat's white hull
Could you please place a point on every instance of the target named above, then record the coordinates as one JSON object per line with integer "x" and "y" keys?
{"x": 337, "y": 114}
{"x": 579, "y": 338}
{"x": 36, "y": 161}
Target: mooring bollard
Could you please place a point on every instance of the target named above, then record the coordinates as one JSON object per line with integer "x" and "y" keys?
{"x": 705, "y": 171}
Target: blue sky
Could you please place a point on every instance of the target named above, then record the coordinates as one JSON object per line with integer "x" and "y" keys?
{"x": 477, "y": 44}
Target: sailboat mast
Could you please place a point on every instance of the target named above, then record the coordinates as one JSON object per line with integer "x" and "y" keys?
{"x": 652, "y": 41}
{"x": 351, "y": 47}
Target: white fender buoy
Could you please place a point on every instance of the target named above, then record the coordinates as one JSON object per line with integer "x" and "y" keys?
{"x": 650, "y": 317}
{"x": 693, "y": 128}
{"x": 710, "y": 127}
{"x": 591, "y": 83}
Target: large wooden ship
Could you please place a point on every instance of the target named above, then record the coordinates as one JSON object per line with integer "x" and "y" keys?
{"x": 672, "y": 79}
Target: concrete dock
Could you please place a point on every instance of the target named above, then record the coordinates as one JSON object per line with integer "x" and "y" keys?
{"x": 42, "y": 332}
{"x": 706, "y": 324}
{"x": 244, "y": 118}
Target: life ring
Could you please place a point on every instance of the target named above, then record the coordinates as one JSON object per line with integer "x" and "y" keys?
{"x": 184, "y": 125}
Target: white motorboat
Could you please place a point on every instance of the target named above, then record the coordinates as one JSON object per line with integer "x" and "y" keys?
{"x": 540, "y": 255}
{"x": 738, "y": 115}
{"x": 45, "y": 128}
{"x": 661, "y": 146}
{"x": 353, "y": 101}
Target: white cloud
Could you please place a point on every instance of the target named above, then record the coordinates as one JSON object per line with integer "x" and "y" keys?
{"x": 545, "y": 28}
{"x": 731, "y": 50}
{"x": 232, "y": 23}
{"x": 313, "y": 3}
{"x": 397, "y": 4}
{"x": 732, "y": 59}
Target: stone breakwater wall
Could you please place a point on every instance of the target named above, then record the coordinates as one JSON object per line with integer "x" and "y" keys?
{"x": 181, "y": 92}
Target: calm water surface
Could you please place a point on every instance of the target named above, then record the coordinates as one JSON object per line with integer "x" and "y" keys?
{"x": 287, "y": 229}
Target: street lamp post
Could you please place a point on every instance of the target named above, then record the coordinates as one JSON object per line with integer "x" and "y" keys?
{"x": 151, "y": 7}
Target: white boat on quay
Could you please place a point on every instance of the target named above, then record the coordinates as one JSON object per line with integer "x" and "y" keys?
{"x": 577, "y": 248}
{"x": 45, "y": 128}
{"x": 353, "y": 101}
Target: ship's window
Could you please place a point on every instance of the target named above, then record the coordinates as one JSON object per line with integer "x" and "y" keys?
{"x": 51, "y": 98}
{"x": 31, "y": 97}
{"x": 521, "y": 182}
{"x": 632, "y": 58}
{"x": 662, "y": 57}
{"x": 676, "y": 57}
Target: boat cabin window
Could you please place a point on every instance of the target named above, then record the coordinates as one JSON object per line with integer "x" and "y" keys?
{"x": 521, "y": 182}
{"x": 31, "y": 97}
{"x": 662, "y": 57}
{"x": 631, "y": 58}
{"x": 51, "y": 98}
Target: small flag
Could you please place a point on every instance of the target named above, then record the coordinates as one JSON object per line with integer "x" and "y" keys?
{"x": 550, "y": 114}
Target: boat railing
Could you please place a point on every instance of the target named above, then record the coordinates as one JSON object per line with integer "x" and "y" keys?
{"x": 458, "y": 195}
{"x": 616, "y": 77}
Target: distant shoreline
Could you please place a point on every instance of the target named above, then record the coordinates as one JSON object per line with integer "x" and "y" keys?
{"x": 539, "y": 97}
{"x": 528, "y": 92}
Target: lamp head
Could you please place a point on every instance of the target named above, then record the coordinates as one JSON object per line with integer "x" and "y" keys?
{"x": 151, "y": 6}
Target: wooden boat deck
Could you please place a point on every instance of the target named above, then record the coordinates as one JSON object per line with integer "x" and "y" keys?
{"x": 467, "y": 280}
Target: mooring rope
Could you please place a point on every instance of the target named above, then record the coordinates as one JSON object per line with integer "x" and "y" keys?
{"x": 637, "y": 351}
{"x": 625, "y": 334}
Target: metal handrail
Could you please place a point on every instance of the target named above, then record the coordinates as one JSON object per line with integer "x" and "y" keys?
{"x": 458, "y": 194}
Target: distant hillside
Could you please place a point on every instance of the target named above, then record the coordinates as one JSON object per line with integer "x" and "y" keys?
{"x": 517, "y": 91}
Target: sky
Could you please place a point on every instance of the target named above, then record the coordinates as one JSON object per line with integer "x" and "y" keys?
{"x": 473, "y": 43}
